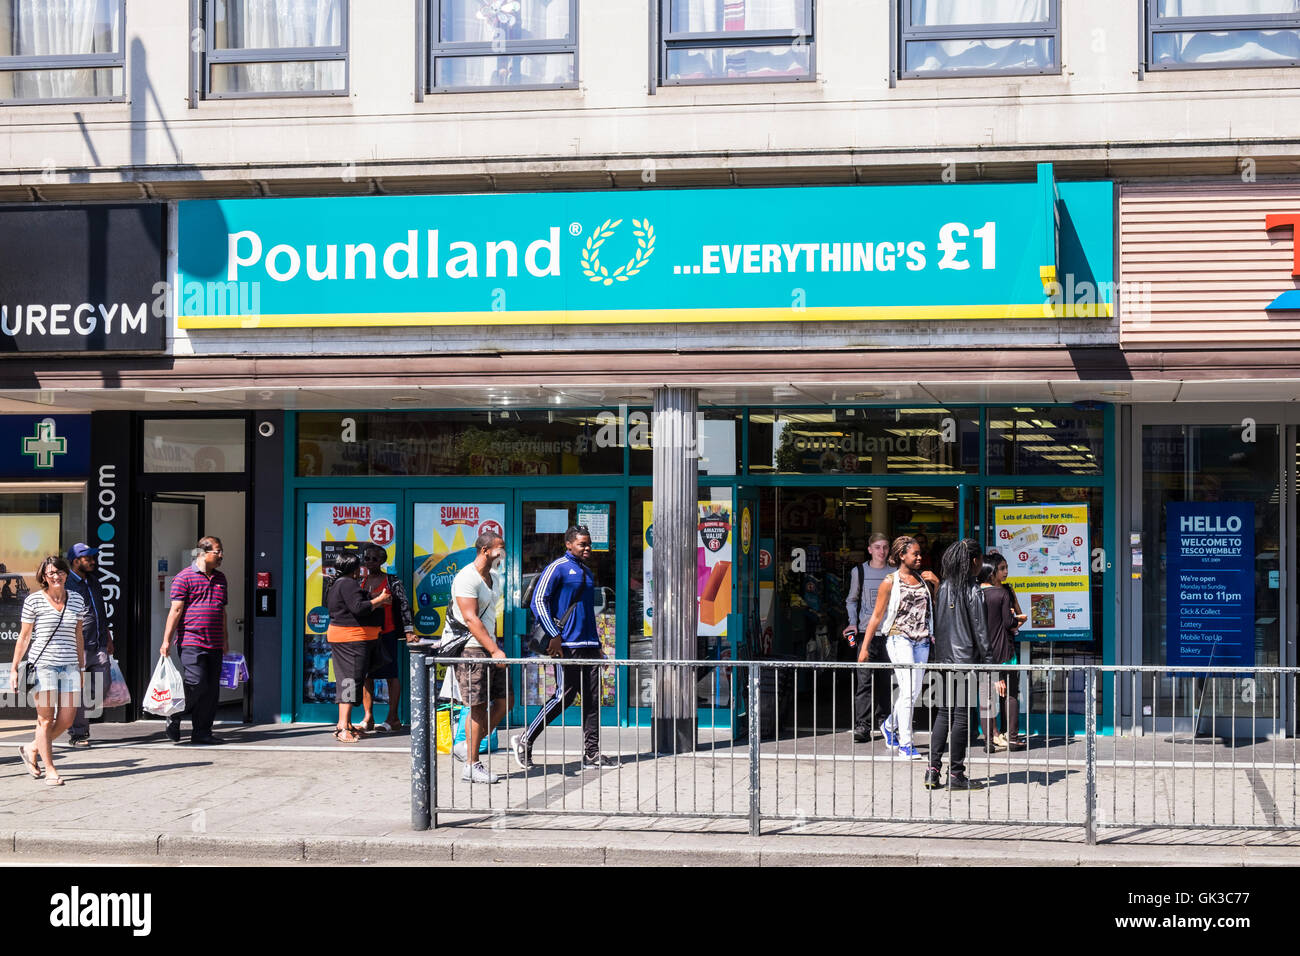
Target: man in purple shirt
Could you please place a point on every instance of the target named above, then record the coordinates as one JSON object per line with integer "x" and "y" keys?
{"x": 198, "y": 615}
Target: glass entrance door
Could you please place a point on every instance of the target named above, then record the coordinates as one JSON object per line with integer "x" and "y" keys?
{"x": 543, "y": 521}
{"x": 1211, "y": 579}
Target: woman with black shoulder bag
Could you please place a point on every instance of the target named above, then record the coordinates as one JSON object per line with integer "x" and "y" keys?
{"x": 51, "y": 632}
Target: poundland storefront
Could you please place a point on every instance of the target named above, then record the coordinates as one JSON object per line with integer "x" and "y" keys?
{"x": 618, "y": 298}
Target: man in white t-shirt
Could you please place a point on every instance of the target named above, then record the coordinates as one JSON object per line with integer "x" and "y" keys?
{"x": 474, "y": 594}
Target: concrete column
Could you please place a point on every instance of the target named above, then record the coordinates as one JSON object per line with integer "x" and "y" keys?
{"x": 676, "y": 524}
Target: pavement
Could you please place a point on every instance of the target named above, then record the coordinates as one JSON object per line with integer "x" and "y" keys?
{"x": 289, "y": 793}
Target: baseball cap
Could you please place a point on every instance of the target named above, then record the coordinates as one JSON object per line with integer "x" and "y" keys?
{"x": 80, "y": 550}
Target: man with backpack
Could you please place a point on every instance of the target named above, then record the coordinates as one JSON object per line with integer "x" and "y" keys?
{"x": 564, "y": 603}
{"x": 872, "y": 694}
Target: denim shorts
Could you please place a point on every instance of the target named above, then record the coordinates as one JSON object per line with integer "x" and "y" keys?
{"x": 63, "y": 678}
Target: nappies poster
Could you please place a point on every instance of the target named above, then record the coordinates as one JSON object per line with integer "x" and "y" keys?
{"x": 1048, "y": 555}
{"x": 444, "y": 536}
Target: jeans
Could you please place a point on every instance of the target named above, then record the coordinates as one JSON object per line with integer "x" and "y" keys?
{"x": 903, "y": 651}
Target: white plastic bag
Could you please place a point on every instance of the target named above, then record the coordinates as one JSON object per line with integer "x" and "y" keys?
{"x": 166, "y": 693}
{"x": 118, "y": 694}
{"x": 450, "y": 686}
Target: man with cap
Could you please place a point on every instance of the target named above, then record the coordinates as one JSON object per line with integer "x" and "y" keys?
{"x": 95, "y": 632}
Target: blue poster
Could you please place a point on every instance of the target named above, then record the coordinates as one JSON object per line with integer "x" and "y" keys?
{"x": 1210, "y": 581}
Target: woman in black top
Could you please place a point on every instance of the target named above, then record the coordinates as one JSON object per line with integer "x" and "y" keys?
{"x": 355, "y": 620}
{"x": 1001, "y": 620}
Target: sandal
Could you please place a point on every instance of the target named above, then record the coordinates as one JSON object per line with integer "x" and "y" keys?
{"x": 349, "y": 739}
{"x": 54, "y": 781}
{"x": 29, "y": 761}
{"x": 367, "y": 727}
{"x": 384, "y": 728}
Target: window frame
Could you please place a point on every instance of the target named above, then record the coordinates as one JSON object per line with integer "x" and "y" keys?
{"x": 1154, "y": 23}
{"x": 212, "y": 56}
{"x": 985, "y": 31}
{"x": 667, "y": 39}
{"x": 73, "y": 61}
{"x": 440, "y": 49}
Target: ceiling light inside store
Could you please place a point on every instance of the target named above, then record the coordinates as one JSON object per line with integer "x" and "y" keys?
{"x": 182, "y": 401}
{"x": 405, "y": 398}
{"x": 870, "y": 393}
{"x": 1115, "y": 393}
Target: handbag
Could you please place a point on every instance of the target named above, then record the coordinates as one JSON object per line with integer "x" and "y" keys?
{"x": 454, "y": 645}
{"x": 537, "y": 642}
{"x": 27, "y": 675}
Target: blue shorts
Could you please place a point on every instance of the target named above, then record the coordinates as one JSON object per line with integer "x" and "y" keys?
{"x": 63, "y": 678}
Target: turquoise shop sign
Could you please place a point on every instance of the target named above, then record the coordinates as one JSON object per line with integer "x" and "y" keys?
{"x": 829, "y": 253}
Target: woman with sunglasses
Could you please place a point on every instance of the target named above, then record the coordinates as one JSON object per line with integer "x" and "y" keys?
{"x": 51, "y": 632}
{"x": 397, "y": 625}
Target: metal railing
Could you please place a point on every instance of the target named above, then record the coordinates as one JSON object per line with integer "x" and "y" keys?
{"x": 1104, "y": 747}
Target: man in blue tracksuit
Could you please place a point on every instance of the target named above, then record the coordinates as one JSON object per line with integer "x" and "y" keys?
{"x": 564, "y": 602}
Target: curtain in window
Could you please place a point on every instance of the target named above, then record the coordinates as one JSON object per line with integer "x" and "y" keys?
{"x": 1226, "y": 46}
{"x": 982, "y": 54}
{"x": 58, "y": 28}
{"x": 1227, "y": 8}
{"x": 732, "y": 16}
{"x": 508, "y": 22}
{"x": 955, "y": 13}
{"x": 719, "y": 16}
{"x": 280, "y": 24}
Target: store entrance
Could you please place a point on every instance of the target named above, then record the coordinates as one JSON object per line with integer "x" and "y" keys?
{"x": 814, "y": 536}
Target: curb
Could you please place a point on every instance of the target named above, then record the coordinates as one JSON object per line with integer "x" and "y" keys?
{"x": 590, "y": 848}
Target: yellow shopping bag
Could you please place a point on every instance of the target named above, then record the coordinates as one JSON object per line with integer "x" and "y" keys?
{"x": 444, "y": 730}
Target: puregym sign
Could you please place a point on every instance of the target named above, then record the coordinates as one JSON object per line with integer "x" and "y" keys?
{"x": 83, "y": 279}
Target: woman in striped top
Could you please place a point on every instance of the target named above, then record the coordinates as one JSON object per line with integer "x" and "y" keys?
{"x": 51, "y": 631}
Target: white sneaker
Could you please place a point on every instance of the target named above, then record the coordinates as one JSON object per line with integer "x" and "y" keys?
{"x": 519, "y": 746}
{"x": 460, "y": 751}
{"x": 477, "y": 773}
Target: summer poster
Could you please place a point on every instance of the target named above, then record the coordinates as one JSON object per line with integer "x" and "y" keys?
{"x": 332, "y": 528}
{"x": 1047, "y": 552}
{"x": 444, "y": 544}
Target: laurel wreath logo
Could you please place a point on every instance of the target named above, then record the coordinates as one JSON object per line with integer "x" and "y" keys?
{"x": 645, "y": 248}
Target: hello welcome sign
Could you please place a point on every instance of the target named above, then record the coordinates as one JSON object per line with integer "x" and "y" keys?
{"x": 955, "y": 251}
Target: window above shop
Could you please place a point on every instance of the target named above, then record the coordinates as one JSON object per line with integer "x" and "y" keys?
{"x": 501, "y": 442}
{"x": 735, "y": 41}
{"x": 194, "y": 445}
{"x": 717, "y": 434}
{"x": 260, "y": 48}
{"x": 477, "y": 45}
{"x": 1045, "y": 441}
{"x": 55, "y": 51}
{"x": 940, "y": 38}
{"x": 1219, "y": 34}
{"x": 880, "y": 441}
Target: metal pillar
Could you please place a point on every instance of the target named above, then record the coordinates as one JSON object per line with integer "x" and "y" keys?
{"x": 422, "y": 721}
{"x": 675, "y": 531}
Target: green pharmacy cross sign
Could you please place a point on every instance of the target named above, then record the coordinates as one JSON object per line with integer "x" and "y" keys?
{"x": 44, "y": 445}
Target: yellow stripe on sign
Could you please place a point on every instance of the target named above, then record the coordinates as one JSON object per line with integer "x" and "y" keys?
{"x": 866, "y": 313}
{"x": 1049, "y": 584}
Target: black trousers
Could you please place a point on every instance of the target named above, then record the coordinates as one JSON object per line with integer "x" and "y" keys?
{"x": 201, "y": 673}
{"x": 872, "y": 694}
{"x": 97, "y": 674}
{"x": 951, "y": 720}
{"x": 574, "y": 678}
